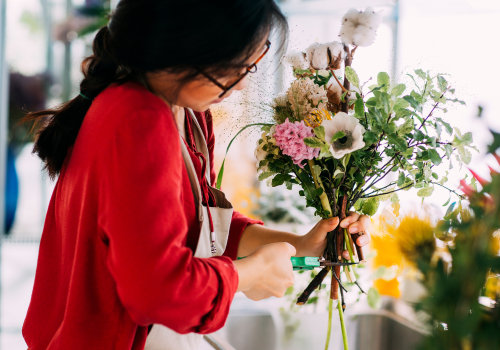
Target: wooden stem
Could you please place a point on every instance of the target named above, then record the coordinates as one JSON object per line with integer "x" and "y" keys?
{"x": 315, "y": 283}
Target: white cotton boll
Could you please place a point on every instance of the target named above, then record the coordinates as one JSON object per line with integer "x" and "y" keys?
{"x": 336, "y": 49}
{"x": 337, "y": 54}
{"x": 359, "y": 27}
{"x": 310, "y": 51}
{"x": 320, "y": 59}
{"x": 297, "y": 60}
{"x": 363, "y": 36}
{"x": 347, "y": 33}
{"x": 351, "y": 16}
{"x": 370, "y": 18}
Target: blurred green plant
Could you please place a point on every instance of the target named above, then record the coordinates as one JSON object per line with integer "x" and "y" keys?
{"x": 464, "y": 313}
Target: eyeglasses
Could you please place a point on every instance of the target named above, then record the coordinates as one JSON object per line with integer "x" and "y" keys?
{"x": 249, "y": 69}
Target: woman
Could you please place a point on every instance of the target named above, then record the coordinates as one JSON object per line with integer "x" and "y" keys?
{"x": 128, "y": 240}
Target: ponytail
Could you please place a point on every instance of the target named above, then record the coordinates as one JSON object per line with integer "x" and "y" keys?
{"x": 60, "y": 126}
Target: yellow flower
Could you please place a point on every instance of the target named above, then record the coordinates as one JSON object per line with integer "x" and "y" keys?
{"x": 316, "y": 117}
{"x": 387, "y": 254}
{"x": 414, "y": 237}
{"x": 495, "y": 242}
{"x": 389, "y": 288}
{"x": 492, "y": 287}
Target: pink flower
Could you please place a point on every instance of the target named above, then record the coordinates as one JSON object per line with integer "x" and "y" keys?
{"x": 290, "y": 139}
{"x": 478, "y": 178}
{"x": 466, "y": 188}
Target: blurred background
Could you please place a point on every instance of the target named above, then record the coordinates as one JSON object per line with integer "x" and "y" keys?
{"x": 42, "y": 44}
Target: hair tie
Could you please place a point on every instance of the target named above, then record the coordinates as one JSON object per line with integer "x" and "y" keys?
{"x": 85, "y": 97}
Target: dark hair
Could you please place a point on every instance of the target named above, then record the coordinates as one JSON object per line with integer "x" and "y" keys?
{"x": 142, "y": 36}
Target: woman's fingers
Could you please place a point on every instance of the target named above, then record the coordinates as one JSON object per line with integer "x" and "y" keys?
{"x": 350, "y": 219}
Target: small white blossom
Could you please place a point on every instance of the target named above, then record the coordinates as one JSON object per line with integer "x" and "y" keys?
{"x": 297, "y": 60}
{"x": 359, "y": 27}
{"x": 352, "y": 129}
{"x": 304, "y": 96}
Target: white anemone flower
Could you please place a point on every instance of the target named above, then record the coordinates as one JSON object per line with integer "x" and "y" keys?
{"x": 353, "y": 134}
{"x": 360, "y": 27}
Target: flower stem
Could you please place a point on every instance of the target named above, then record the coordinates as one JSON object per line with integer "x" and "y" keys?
{"x": 342, "y": 325}
{"x": 329, "y": 331}
{"x": 325, "y": 203}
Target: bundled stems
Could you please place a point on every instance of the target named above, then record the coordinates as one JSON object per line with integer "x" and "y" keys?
{"x": 315, "y": 283}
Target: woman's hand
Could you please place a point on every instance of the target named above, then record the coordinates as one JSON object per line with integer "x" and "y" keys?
{"x": 314, "y": 242}
{"x": 356, "y": 223}
{"x": 267, "y": 272}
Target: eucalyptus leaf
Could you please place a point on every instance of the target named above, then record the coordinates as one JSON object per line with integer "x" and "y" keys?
{"x": 313, "y": 142}
{"x": 352, "y": 76}
{"x": 319, "y": 131}
{"x": 398, "y": 89}
{"x": 383, "y": 80}
{"x": 434, "y": 157}
{"x": 373, "y": 297}
{"x": 425, "y": 192}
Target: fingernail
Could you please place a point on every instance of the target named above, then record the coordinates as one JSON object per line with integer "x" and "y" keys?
{"x": 362, "y": 240}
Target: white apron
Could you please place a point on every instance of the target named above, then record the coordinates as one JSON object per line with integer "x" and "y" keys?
{"x": 209, "y": 244}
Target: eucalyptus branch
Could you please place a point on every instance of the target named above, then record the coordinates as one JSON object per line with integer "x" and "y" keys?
{"x": 382, "y": 177}
{"x": 428, "y": 143}
{"x": 382, "y": 168}
{"x": 385, "y": 193}
{"x": 449, "y": 189}
{"x": 432, "y": 110}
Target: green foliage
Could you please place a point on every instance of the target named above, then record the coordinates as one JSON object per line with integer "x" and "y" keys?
{"x": 459, "y": 317}
{"x": 352, "y": 76}
{"x": 406, "y": 133}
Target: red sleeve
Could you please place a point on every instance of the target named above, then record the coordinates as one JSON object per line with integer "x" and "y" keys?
{"x": 239, "y": 221}
{"x": 157, "y": 278}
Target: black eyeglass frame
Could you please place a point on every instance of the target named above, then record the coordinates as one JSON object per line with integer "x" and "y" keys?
{"x": 249, "y": 69}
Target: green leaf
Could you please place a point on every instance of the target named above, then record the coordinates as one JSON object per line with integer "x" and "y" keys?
{"x": 359, "y": 108}
{"x": 338, "y": 135}
{"x": 401, "y": 103}
{"x": 421, "y": 73}
{"x": 465, "y": 155}
{"x": 280, "y": 179}
{"x": 407, "y": 127}
{"x": 401, "y": 179}
{"x": 265, "y": 175}
{"x": 443, "y": 84}
{"x": 398, "y": 141}
{"x": 434, "y": 157}
{"x": 370, "y": 206}
{"x": 425, "y": 192}
{"x": 383, "y": 79}
{"x": 446, "y": 125}
{"x": 492, "y": 148}
{"x": 370, "y": 138}
{"x": 319, "y": 131}
{"x": 313, "y": 142}
{"x": 373, "y": 298}
{"x": 412, "y": 101}
{"x": 352, "y": 76}
{"x": 398, "y": 89}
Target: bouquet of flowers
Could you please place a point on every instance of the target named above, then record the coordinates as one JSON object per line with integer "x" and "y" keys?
{"x": 349, "y": 146}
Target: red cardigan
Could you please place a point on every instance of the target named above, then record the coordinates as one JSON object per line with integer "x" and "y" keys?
{"x": 116, "y": 253}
